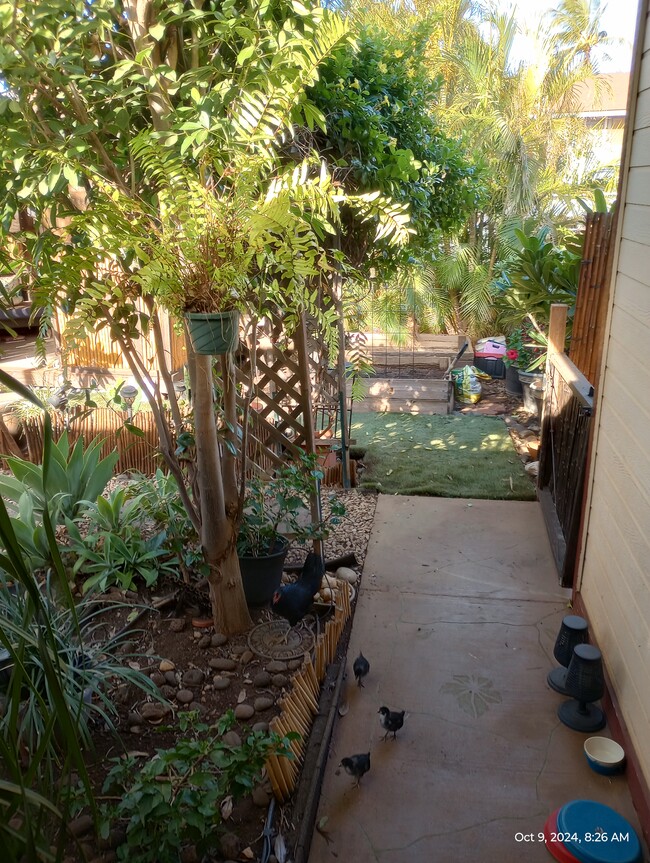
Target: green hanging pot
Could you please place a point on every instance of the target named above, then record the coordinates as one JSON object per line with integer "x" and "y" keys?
{"x": 213, "y": 332}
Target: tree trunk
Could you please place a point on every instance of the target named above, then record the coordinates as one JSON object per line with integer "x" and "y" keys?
{"x": 218, "y": 529}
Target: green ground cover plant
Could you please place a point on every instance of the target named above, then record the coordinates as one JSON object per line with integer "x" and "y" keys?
{"x": 443, "y": 456}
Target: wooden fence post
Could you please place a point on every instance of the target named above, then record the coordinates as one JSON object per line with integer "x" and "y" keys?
{"x": 556, "y": 330}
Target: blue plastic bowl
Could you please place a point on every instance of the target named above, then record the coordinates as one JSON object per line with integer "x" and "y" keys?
{"x": 604, "y": 755}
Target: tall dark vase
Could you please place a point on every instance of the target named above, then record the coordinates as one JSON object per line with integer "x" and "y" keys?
{"x": 513, "y": 384}
{"x": 262, "y": 575}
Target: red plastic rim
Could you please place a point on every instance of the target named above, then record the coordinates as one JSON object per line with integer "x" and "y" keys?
{"x": 557, "y": 849}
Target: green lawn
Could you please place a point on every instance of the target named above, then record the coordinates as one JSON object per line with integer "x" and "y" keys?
{"x": 444, "y": 456}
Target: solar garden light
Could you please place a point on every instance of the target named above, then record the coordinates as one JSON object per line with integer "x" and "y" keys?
{"x": 128, "y": 394}
{"x": 573, "y": 631}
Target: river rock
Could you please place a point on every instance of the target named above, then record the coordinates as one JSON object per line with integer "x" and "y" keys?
{"x": 221, "y": 682}
{"x": 184, "y": 696}
{"x": 177, "y": 624}
{"x": 232, "y": 739}
{"x": 166, "y": 665}
{"x": 261, "y": 726}
{"x": 168, "y": 691}
{"x": 81, "y": 825}
{"x": 260, "y": 797}
{"x": 154, "y": 711}
{"x": 230, "y": 845}
{"x": 170, "y": 678}
{"x": 294, "y": 664}
{"x": 193, "y": 677}
{"x": 246, "y": 657}
{"x": 276, "y": 665}
{"x": 262, "y": 703}
{"x": 218, "y": 639}
{"x": 262, "y": 679}
{"x": 244, "y": 711}
{"x": 221, "y": 664}
{"x": 157, "y": 678}
{"x": 347, "y": 574}
{"x": 280, "y": 680}
{"x": 204, "y": 642}
{"x": 238, "y": 649}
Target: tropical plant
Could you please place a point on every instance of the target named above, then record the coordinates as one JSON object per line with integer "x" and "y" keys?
{"x": 86, "y": 660}
{"x": 279, "y": 507}
{"x": 114, "y": 550}
{"x": 160, "y": 501}
{"x": 541, "y": 273}
{"x": 75, "y": 475}
{"x": 176, "y": 798}
{"x": 35, "y": 809}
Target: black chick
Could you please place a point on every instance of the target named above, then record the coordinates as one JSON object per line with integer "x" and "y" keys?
{"x": 391, "y": 720}
{"x": 361, "y": 667}
{"x": 293, "y": 601}
{"x": 356, "y": 765}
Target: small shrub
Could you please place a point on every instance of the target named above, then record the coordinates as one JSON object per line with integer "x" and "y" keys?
{"x": 174, "y": 799}
{"x": 114, "y": 549}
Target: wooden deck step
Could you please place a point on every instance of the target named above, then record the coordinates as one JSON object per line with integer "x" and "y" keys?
{"x": 404, "y": 395}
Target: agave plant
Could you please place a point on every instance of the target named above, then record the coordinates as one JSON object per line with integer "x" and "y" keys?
{"x": 74, "y": 475}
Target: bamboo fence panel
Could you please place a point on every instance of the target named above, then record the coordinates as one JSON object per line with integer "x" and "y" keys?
{"x": 135, "y": 453}
{"x": 588, "y": 334}
{"x": 299, "y": 706}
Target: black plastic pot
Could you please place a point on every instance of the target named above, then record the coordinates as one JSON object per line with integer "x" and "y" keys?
{"x": 262, "y": 575}
{"x": 513, "y": 384}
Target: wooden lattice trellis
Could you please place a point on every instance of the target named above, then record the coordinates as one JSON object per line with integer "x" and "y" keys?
{"x": 290, "y": 381}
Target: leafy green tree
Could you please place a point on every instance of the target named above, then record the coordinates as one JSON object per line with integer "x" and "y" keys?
{"x": 383, "y": 134}
{"x": 127, "y": 129}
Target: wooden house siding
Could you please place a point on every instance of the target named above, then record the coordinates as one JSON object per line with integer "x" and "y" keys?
{"x": 614, "y": 580}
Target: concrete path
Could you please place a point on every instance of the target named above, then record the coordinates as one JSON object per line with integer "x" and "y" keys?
{"x": 458, "y": 614}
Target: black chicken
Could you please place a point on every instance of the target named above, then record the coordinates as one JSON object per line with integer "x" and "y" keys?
{"x": 361, "y": 667}
{"x": 293, "y": 601}
{"x": 356, "y": 765}
{"x": 391, "y": 721}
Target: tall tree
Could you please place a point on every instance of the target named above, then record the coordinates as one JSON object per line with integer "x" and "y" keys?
{"x": 123, "y": 123}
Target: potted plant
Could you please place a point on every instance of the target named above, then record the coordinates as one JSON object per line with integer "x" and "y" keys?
{"x": 275, "y": 511}
{"x": 210, "y": 256}
{"x": 525, "y": 356}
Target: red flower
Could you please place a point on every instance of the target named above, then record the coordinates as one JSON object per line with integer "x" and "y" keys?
{"x": 512, "y": 354}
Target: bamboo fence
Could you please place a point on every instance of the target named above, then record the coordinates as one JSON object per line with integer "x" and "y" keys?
{"x": 299, "y": 707}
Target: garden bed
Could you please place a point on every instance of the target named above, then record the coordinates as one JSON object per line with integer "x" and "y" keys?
{"x": 196, "y": 669}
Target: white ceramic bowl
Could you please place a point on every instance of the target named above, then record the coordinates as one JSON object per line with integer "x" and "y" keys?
{"x": 604, "y": 755}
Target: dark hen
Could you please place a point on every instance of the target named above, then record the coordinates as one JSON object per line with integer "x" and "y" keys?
{"x": 361, "y": 667}
{"x": 293, "y": 601}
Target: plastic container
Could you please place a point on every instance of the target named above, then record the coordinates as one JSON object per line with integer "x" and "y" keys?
{"x": 492, "y": 365}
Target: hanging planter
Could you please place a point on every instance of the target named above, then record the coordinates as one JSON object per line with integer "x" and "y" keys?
{"x": 213, "y": 332}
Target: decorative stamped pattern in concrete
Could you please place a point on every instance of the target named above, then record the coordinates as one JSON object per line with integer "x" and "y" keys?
{"x": 474, "y": 694}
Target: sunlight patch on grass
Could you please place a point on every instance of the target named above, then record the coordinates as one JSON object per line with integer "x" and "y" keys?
{"x": 444, "y": 456}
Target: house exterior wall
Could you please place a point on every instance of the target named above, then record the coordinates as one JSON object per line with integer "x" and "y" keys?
{"x": 614, "y": 582}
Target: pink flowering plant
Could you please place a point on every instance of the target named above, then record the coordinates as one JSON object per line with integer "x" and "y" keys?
{"x": 524, "y": 350}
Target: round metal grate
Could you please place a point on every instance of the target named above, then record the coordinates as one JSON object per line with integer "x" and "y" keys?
{"x": 268, "y": 640}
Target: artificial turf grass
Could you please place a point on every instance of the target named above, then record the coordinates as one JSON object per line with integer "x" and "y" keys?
{"x": 442, "y": 456}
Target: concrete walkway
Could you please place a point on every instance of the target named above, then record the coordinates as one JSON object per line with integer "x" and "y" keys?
{"x": 458, "y": 614}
